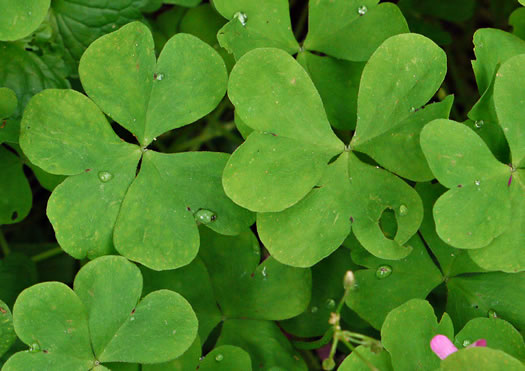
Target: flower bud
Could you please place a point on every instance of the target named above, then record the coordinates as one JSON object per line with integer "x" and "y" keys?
{"x": 349, "y": 280}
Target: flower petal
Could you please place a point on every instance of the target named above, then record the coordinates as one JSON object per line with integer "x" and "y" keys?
{"x": 442, "y": 346}
{"x": 478, "y": 343}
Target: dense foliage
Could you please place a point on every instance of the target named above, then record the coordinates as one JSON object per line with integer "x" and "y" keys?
{"x": 262, "y": 185}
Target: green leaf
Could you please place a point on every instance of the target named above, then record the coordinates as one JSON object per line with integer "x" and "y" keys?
{"x": 510, "y": 107}
{"x": 264, "y": 342}
{"x": 480, "y": 358}
{"x": 517, "y": 21}
{"x": 406, "y": 335}
{"x": 193, "y": 283}
{"x": 7, "y": 332}
{"x": 338, "y": 83}
{"x": 452, "y": 261}
{"x": 26, "y": 74}
{"x": 188, "y": 361}
{"x": 505, "y": 252}
{"x": 246, "y": 289}
{"x": 80, "y": 22}
{"x": 478, "y": 182}
{"x": 254, "y": 25}
{"x": 50, "y": 317}
{"x": 8, "y": 102}
{"x": 498, "y": 333}
{"x": 197, "y": 179}
{"x": 316, "y": 226}
{"x": 146, "y": 97}
{"x": 384, "y": 191}
{"x": 387, "y": 284}
{"x": 163, "y": 320}
{"x": 475, "y": 295}
{"x": 292, "y": 143}
{"x": 15, "y": 193}
{"x": 19, "y": 19}
{"x": 350, "y": 29}
{"x": 187, "y": 3}
{"x": 226, "y": 358}
{"x": 353, "y": 362}
{"x": 327, "y": 289}
{"x": 403, "y": 74}
{"x": 492, "y": 48}
{"x": 17, "y": 272}
{"x": 204, "y": 22}
{"x": 270, "y": 172}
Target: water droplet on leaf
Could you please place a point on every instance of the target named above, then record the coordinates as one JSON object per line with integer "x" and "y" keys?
{"x": 383, "y": 271}
{"x": 412, "y": 109}
{"x": 132, "y": 319}
{"x": 204, "y": 216}
{"x": 159, "y": 76}
{"x": 466, "y": 343}
{"x": 264, "y": 272}
{"x": 241, "y": 17}
{"x": 362, "y": 10}
{"x": 492, "y": 313}
{"x": 330, "y": 303}
{"x": 477, "y": 182}
{"x": 479, "y": 124}
{"x": 403, "y": 210}
{"x": 219, "y": 357}
{"x": 105, "y": 176}
{"x": 35, "y": 347}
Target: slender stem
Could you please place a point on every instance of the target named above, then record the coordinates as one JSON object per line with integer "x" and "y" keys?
{"x": 47, "y": 254}
{"x": 4, "y": 245}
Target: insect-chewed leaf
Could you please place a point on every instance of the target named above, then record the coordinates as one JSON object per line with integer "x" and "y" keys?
{"x": 352, "y": 29}
{"x": 119, "y": 72}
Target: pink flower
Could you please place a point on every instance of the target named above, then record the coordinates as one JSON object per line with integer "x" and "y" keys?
{"x": 443, "y": 347}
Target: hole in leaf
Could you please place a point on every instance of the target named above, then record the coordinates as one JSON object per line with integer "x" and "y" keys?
{"x": 388, "y": 223}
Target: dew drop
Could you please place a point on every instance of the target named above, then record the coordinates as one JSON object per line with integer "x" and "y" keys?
{"x": 314, "y": 309}
{"x": 204, "y": 216}
{"x": 159, "y": 76}
{"x": 362, "y": 10}
{"x": 219, "y": 357}
{"x": 383, "y": 271}
{"x": 477, "y": 182}
{"x": 132, "y": 319}
{"x": 264, "y": 272}
{"x": 479, "y": 124}
{"x": 330, "y": 303}
{"x": 492, "y": 313}
{"x": 241, "y": 17}
{"x": 466, "y": 343}
{"x": 403, "y": 210}
{"x": 105, "y": 176}
{"x": 412, "y": 109}
{"x": 35, "y": 347}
